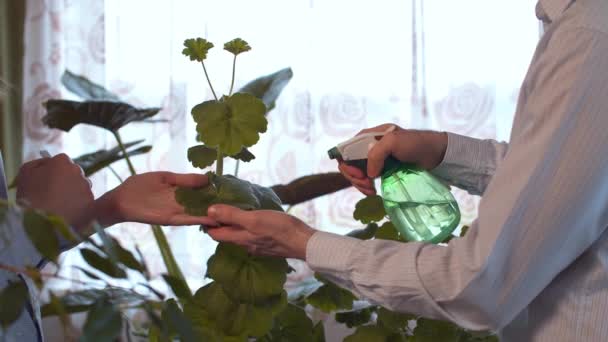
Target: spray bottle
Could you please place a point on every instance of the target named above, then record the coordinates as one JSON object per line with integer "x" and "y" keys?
{"x": 420, "y": 206}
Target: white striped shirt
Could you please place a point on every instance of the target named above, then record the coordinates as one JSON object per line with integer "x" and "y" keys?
{"x": 534, "y": 265}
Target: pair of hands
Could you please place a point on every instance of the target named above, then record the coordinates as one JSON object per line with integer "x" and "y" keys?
{"x": 59, "y": 186}
{"x": 278, "y": 234}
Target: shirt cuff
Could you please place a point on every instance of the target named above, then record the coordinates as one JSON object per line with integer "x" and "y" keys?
{"x": 462, "y": 151}
{"x": 327, "y": 252}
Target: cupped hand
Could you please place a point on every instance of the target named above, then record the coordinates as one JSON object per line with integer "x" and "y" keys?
{"x": 262, "y": 232}
{"x": 425, "y": 149}
{"x": 150, "y": 198}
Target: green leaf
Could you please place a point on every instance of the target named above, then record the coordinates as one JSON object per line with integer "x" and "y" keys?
{"x": 102, "y": 263}
{"x": 64, "y": 114}
{"x": 41, "y": 233}
{"x": 13, "y": 298}
{"x": 95, "y": 161}
{"x": 86, "y": 89}
{"x": 464, "y": 230}
{"x": 475, "y": 336}
{"x": 292, "y": 325}
{"x": 268, "y": 88}
{"x": 393, "y": 320}
{"x": 87, "y": 273}
{"x": 330, "y": 297}
{"x": 196, "y": 49}
{"x": 232, "y": 123}
{"x": 202, "y": 156}
{"x": 371, "y": 333}
{"x": 355, "y": 318}
{"x": 237, "y": 46}
{"x": 104, "y": 323}
{"x": 365, "y": 233}
{"x": 178, "y": 286}
{"x": 211, "y": 308}
{"x": 227, "y": 190}
{"x": 244, "y": 277}
{"x": 318, "y": 332}
{"x": 428, "y": 330}
{"x": 388, "y": 232}
{"x": 370, "y": 209}
{"x": 178, "y": 321}
{"x": 79, "y": 301}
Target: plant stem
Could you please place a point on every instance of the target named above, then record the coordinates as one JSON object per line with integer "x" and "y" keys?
{"x": 124, "y": 152}
{"x": 209, "y": 81}
{"x": 115, "y": 173}
{"x": 161, "y": 240}
{"x": 236, "y": 168}
{"x": 219, "y": 165}
{"x": 233, "y": 73}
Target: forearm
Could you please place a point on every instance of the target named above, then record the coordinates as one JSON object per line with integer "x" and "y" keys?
{"x": 470, "y": 163}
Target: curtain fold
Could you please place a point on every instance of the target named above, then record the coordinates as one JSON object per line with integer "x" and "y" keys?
{"x": 12, "y": 17}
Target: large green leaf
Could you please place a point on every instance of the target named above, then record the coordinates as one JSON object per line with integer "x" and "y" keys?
{"x": 196, "y": 49}
{"x": 41, "y": 233}
{"x": 387, "y": 231}
{"x": 393, "y": 320}
{"x": 202, "y": 156}
{"x": 370, "y": 209}
{"x": 102, "y": 263}
{"x": 355, "y": 318}
{"x": 428, "y": 330}
{"x": 178, "y": 322}
{"x": 104, "y": 323}
{"x": 212, "y": 309}
{"x": 95, "y": 161}
{"x": 13, "y": 298}
{"x": 247, "y": 278}
{"x": 232, "y": 123}
{"x": 86, "y": 89}
{"x": 292, "y": 325}
{"x": 373, "y": 333}
{"x": 227, "y": 190}
{"x": 331, "y": 297}
{"x": 64, "y": 114}
{"x": 268, "y": 88}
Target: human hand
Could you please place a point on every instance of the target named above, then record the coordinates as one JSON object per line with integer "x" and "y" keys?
{"x": 262, "y": 232}
{"x": 150, "y": 198}
{"x": 56, "y": 185}
{"x": 425, "y": 149}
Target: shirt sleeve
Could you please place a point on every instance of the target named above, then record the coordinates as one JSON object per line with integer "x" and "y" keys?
{"x": 470, "y": 163}
{"x": 546, "y": 204}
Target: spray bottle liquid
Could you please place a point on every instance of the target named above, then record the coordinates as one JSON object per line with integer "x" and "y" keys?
{"x": 419, "y": 206}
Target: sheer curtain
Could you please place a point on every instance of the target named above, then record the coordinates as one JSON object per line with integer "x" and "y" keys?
{"x": 443, "y": 64}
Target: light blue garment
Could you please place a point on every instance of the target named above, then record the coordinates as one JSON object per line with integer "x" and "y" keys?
{"x": 17, "y": 251}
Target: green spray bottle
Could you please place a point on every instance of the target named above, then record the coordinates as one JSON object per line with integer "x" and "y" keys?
{"x": 420, "y": 206}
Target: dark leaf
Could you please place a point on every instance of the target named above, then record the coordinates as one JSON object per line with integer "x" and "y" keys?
{"x": 428, "y": 330}
{"x": 371, "y": 333}
{"x": 464, "y": 230}
{"x": 388, "y": 232}
{"x": 86, "y": 89}
{"x": 104, "y": 323}
{"x": 310, "y": 187}
{"x": 330, "y": 297}
{"x": 64, "y": 114}
{"x": 13, "y": 298}
{"x": 365, "y": 233}
{"x": 268, "y": 88}
{"x": 237, "y": 46}
{"x": 245, "y": 155}
{"x": 41, "y": 233}
{"x": 244, "y": 277}
{"x": 293, "y": 325}
{"x": 87, "y": 273}
{"x": 355, "y": 318}
{"x": 393, "y": 320}
{"x": 318, "y": 332}
{"x": 370, "y": 209}
{"x": 178, "y": 322}
{"x": 93, "y": 162}
{"x": 127, "y": 258}
{"x": 79, "y": 301}
{"x": 102, "y": 263}
{"x": 227, "y": 190}
{"x": 178, "y": 286}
